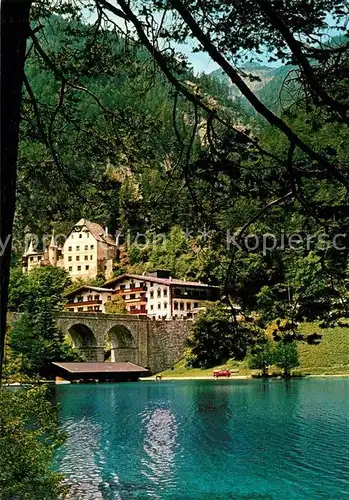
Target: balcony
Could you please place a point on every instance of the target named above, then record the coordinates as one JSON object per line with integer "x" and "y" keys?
{"x": 84, "y": 303}
{"x": 126, "y": 291}
{"x": 138, "y": 311}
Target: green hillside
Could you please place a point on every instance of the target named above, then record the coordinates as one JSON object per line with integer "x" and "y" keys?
{"x": 329, "y": 357}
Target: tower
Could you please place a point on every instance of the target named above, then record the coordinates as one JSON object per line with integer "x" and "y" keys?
{"x": 53, "y": 251}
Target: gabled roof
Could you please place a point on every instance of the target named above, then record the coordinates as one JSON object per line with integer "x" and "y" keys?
{"x": 162, "y": 281}
{"x": 97, "y": 231}
{"x": 125, "y": 367}
{"x": 92, "y": 288}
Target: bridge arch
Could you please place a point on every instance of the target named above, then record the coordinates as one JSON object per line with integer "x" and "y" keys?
{"x": 122, "y": 344}
{"x": 83, "y": 339}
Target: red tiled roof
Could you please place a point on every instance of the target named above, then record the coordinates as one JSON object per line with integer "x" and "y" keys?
{"x": 97, "y": 231}
{"x": 162, "y": 281}
{"x": 101, "y": 367}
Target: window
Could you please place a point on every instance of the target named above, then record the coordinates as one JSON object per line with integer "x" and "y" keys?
{"x": 39, "y": 257}
{"x": 92, "y": 247}
{"x": 165, "y": 292}
{"x": 142, "y": 284}
{"x": 132, "y": 296}
{"x": 77, "y": 248}
{"x": 165, "y": 305}
{"x": 159, "y": 305}
{"x": 79, "y": 268}
{"x": 70, "y": 268}
{"x": 181, "y": 306}
{"x": 196, "y": 304}
{"x": 159, "y": 292}
{"x": 88, "y": 235}
{"x": 96, "y": 308}
{"x": 91, "y": 257}
{"x": 87, "y": 268}
{"x": 152, "y": 294}
{"x": 86, "y": 247}
{"x": 86, "y": 257}
{"x": 90, "y": 308}
{"x": 31, "y": 259}
{"x": 72, "y": 236}
{"x": 80, "y": 309}
{"x": 70, "y": 258}
{"x": 188, "y": 306}
{"x": 89, "y": 298}
{"x": 80, "y": 299}
{"x": 109, "y": 297}
{"x": 122, "y": 287}
{"x": 80, "y": 235}
{"x": 96, "y": 297}
{"x": 152, "y": 307}
{"x": 176, "y": 306}
{"x": 77, "y": 257}
{"x": 105, "y": 268}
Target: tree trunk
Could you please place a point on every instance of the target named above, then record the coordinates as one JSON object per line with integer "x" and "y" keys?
{"x": 14, "y": 33}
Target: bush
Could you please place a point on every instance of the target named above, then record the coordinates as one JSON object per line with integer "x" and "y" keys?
{"x": 29, "y": 436}
{"x": 216, "y": 337}
{"x": 286, "y": 356}
{"x": 261, "y": 356}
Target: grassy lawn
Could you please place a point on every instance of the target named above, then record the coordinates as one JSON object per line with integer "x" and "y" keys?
{"x": 330, "y": 357}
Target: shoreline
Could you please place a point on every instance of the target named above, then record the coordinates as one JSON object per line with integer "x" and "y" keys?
{"x": 240, "y": 377}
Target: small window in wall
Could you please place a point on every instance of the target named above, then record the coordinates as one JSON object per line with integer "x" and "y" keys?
{"x": 69, "y": 258}
{"x": 96, "y": 308}
{"x": 86, "y": 257}
{"x": 165, "y": 305}
{"x": 122, "y": 287}
{"x": 91, "y": 257}
{"x": 105, "y": 268}
{"x": 176, "y": 306}
{"x": 77, "y": 248}
{"x": 132, "y": 296}
{"x": 39, "y": 257}
{"x": 80, "y": 309}
{"x": 188, "y": 306}
{"x": 152, "y": 307}
{"x": 109, "y": 297}
{"x": 69, "y": 249}
{"x": 87, "y": 268}
{"x": 91, "y": 247}
{"x": 77, "y": 257}
{"x": 86, "y": 247}
{"x": 96, "y": 297}
{"x": 165, "y": 292}
{"x": 80, "y": 235}
{"x": 181, "y": 306}
{"x": 142, "y": 284}
{"x": 89, "y": 298}
{"x": 159, "y": 305}
{"x": 70, "y": 268}
{"x": 72, "y": 236}
{"x": 196, "y": 304}
{"x": 80, "y": 299}
{"x": 159, "y": 292}
{"x": 79, "y": 268}
{"x": 90, "y": 308}
{"x": 88, "y": 235}
{"x": 152, "y": 294}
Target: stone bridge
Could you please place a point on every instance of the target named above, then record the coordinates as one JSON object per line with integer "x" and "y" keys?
{"x": 156, "y": 344}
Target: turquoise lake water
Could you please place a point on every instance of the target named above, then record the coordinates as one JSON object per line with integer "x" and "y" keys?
{"x": 207, "y": 439}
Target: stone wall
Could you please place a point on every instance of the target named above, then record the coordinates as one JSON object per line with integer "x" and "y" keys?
{"x": 167, "y": 339}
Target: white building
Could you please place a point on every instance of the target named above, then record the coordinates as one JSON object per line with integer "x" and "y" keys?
{"x": 159, "y": 296}
{"x": 88, "y": 252}
{"x": 88, "y": 299}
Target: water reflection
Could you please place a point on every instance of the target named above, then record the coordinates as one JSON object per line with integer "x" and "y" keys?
{"x": 159, "y": 447}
